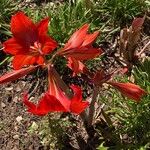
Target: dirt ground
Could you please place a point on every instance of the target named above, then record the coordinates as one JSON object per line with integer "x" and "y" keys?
{"x": 14, "y": 119}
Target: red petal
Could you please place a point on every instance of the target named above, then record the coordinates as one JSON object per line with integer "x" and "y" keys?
{"x": 130, "y": 90}
{"x": 46, "y": 104}
{"x": 30, "y": 105}
{"x": 48, "y": 44}
{"x": 21, "y": 60}
{"x": 12, "y": 46}
{"x": 42, "y": 26}
{"x": 55, "y": 91}
{"x": 77, "y": 38}
{"x": 15, "y": 74}
{"x": 90, "y": 38}
{"x": 82, "y": 53}
{"x": 23, "y": 29}
{"x": 76, "y": 65}
{"x": 62, "y": 98}
{"x": 39, "y": 60}
{"x": 50, "y": 103}
{"x": 77, "y": 105}
{"x": 79, "y": 45}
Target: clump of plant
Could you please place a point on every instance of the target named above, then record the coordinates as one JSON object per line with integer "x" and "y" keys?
{"x": 7, "y": 8}
{"x": 131, "y": 121}
{"x": 32, "y": 48}
{"x": 121, "y": 11}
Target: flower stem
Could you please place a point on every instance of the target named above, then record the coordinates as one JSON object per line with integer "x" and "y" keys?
{"x": 144, "y": 48}
{"x": 92, "y": 106}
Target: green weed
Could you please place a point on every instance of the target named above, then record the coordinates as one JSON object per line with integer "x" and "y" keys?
{"x": 7, "y": 8}
{"x": 131, "y": 118}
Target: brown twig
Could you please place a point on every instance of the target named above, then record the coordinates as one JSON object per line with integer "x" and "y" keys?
{"x": 144, "y": 48}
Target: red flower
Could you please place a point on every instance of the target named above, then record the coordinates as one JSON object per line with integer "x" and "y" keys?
{"x": 30, "y": 41}
{"x": 79, "y": 45}
{"x": 57, "y": 102}
{"x": 75, "y": 104}
{"x": 130, "y": 90}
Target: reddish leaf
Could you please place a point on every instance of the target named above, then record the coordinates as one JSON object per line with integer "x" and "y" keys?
{"x": 129, "y": 38}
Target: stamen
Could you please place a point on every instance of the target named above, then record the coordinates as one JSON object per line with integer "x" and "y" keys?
{"x": 36, "y": 47}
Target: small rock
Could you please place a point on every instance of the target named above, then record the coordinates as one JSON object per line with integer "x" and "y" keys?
{"x": 9, "y": 88}
{"x": 32, "y": 98}
{"x": 34, "y": 125}
{"x": 19, "y": 118}
{"x": 15, "y": 99}
{"x": 18, "y": 89}
{"x": 16, "y": 128}
{"x": 16, "y": 137}
{"x": 3, "y": 105}
{"x": 15, "y": 148}
{"x": 143, "y": 55}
